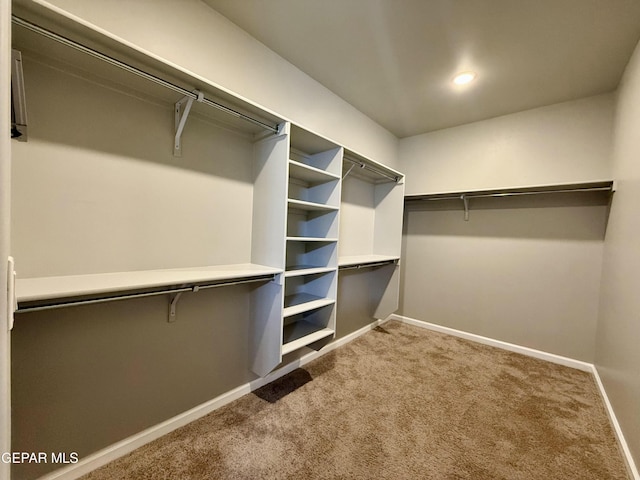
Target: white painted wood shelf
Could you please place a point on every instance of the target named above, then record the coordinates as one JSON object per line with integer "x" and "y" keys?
{"x": 354, "y": 260}
{"x": 310, "y": 174}
{"x": 311, "y": 239}
{"x": 69, "y": 286}
{"x": 605, "y": 186}
{"x": 600, "y": 188}
{"x": 298, "y": 270}
{"x": 302, "y": 333}
{"x": 311, "y": 206}
{"x": 304, "y": 302}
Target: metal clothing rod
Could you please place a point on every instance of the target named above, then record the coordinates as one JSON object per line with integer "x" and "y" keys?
{"x": 195, "y": 288}
{"x": 512, "y": 194}
{"x": 395, "y": 178}
{"x": 124, "y": 66}
{"x": 367, "y": 265}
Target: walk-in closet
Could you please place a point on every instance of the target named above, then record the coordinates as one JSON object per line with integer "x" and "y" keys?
{"x": 195, "y": 217}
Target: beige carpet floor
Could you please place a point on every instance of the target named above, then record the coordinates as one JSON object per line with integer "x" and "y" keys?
{"x": 398, "y": 403}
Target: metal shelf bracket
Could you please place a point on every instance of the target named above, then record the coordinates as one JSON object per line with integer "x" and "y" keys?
{"x": 361, "y": 165}
{"x": 181, "y": 115}
{"x": 174, "y": 302}
{"x": 465, "y": 201}
{"x": 172, "y": 306}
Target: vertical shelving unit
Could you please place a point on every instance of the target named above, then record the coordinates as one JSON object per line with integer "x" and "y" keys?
{"x": 299, "y": 187}
{"x": 313, "y": 220}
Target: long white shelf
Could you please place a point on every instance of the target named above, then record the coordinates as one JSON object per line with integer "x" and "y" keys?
{"x": 48, "y": 288}
{"x": 353, "y": 260}
{"x": 310, "y": 174}
{"x": 299, "y": 270}
{"x": 311, "y": 206}
{"x": 311, "y": 239}
{"x": 303, "y": 302}
{"x": 606, "y": 186}
{"x": 300, "y": 334}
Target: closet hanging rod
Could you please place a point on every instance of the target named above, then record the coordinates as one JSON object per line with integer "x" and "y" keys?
{"x": 124, "y": 66}
{"x": 195, "y": 288}
{"x": 367, "y": 265}
{"x": 456, "y": 196}
{"x": 395, "y": 178}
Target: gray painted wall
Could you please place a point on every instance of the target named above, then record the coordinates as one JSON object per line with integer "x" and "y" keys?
{"x": 521, "y": 271}
{"x": 618, "y": 333}
{"x": 562, "y": 143}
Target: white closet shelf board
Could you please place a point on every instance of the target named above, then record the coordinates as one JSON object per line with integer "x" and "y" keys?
{"x": 311, "y": 239}
{"x": 301, "y": 334}
{"x": 311, "y": 206}
{"x": 89, "y": 67}
{"x": 49, "y": 288}
{"x": 353, "y": 260}
{"x": 298, "y": 270}
{"x": 310, "y": 174}
{"x": 606, "y": 186}
{"x": 304, "y": 302}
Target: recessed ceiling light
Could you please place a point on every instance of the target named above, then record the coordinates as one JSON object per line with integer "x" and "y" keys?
{"x": 464, "y": 78}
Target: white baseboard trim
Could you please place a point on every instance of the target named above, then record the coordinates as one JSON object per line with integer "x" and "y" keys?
{"x": 631, "y": 466}
{"x": 119, "y": 449}
{"x": 550, "y": 357}
{"x": 530, "y": 352}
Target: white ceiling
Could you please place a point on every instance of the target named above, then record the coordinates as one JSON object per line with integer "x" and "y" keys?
{"x": 394, "y": 59}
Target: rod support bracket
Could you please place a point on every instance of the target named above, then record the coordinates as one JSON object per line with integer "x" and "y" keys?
{"x": 465, "y": 202}
{"x": 181, "y": 113}
{"x": 173, "y": 303}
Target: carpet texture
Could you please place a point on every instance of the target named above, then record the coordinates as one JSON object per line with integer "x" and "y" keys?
{"x": 398, "y": 403}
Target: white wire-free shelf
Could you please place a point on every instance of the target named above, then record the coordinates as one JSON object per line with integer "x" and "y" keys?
{"x": 301, "y": 334}
{"x": 312, "y": 239}
{"x": 45, "y": 289}
{"x": 304, "y": 302}
{"x": 362, "y": 260}
{"x": 298, "y": 270}
{"x": 606, "y": 187}
{"x": 310, "y": 174}
{"x": 311, "y": 206}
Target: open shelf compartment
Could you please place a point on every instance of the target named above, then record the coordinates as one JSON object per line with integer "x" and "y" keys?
{"x": 311, "y": 254}
{"x": 314, "y": 223}
{"x": 306, "y": 329}
{"x": 324, "y": 190}
{"x": 308, "y": 292}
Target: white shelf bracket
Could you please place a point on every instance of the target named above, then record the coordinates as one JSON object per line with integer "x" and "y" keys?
{"x": 181, "y": 115}
{"x": 361, "y": 165}
{"x": 172, "y": 306}
{"x": 173, "y": 303}
{"x": 465, "y": 202}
